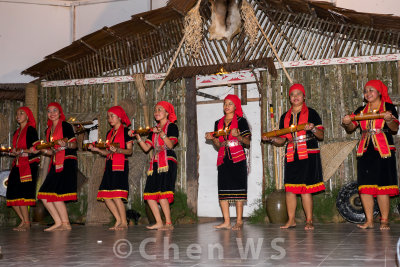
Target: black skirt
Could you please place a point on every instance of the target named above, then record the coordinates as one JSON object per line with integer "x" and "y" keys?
{"x": 377, "y": 175}
{"x": 115, "y": 183}
{"x": 60, "y": 186}
{"x": 22, "y": 194}
{"x": 304, "y": 176}
{"x": 232, "y": 181}
{"x": 161, "y": 185}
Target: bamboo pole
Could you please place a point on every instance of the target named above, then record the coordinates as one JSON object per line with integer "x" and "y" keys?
{"x": 171, "y": 64}
{"x": 275, "y": 52}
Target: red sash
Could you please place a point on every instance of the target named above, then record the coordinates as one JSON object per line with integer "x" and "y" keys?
{"x": 59, "y": 157}
{"x": 19, "y": 142}
{"x": 118, "y": 159}
{"x": 160, "y": 154}
{"x": 379, "y": 139}
{"x": 236, "y": 152}
{"x": 301, "y": 146}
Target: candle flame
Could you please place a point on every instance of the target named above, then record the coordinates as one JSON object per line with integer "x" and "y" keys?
{"x": 100, "y": 140}
{"x": 147, "y": 127}
{"x": 140, "y": 128}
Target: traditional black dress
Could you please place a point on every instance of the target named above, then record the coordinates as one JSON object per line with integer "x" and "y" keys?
{"x": 377, "y": 175}
{"x": 23, "y": 193}
{"x": 115, "y": 183}
{"x": 160, "y": 183}
{"x": 304, "y": 176}
{"x": 232, "y": 177}
{"x": 62, "y": 186}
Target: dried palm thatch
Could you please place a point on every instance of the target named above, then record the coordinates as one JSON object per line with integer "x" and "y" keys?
{"x": 250, "y": 22}
{"x": 193, "y": 31}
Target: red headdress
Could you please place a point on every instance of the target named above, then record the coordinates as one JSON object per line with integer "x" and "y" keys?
{"x": 58, "y": 106}
{"x": 170, "y": 109}
{"x": 238, "y": 104}
{"x": 382, "y": 88}
{"x": 31, "y": 119}
{"x": 297, "y": 86}
{"x": 120, "y": 112}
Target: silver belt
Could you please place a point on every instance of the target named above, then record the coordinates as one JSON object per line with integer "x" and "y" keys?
{"x": 232, "y": 143}
{"x": 302, "y": 138}
{"x": 374, "y": 131}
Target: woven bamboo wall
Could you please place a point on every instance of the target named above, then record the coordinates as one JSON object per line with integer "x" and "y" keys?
{"x": 333, "y": 91}
{"x": 100, "y": 97}
{"x": 8, "y": 125}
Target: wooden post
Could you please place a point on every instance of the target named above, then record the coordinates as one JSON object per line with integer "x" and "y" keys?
{"x": 243, "y": 94}
{"x": 192, "y": 147}
{"x": 31, "y": 98}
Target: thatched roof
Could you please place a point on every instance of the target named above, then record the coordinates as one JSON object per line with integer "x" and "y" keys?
{"x": 299, "y": 29}
{"x": 12, "y": 91}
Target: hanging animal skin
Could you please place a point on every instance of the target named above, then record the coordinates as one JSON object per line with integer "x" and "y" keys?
{"x": 225, "y": 19}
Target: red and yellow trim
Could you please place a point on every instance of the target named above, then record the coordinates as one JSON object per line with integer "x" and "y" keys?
{"x": 305, "y": 189}
{"x": 169, "y": 195}
{"x": 21, "y": 202}
{"x": 54, "y": 197}
{"x": 173, "y": 139}
{"x": 374, "y": 190}
{"x": 110, "y": 194}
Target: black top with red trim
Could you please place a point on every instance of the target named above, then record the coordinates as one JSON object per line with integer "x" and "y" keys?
{"x": 127, "y": 139}
{"x": 68, "y": 132}
{"x": 388, "y": 107}
{"x": 173, "y": 134}
{"x": 313, "y": 117}
{"x": 31, "y": 139}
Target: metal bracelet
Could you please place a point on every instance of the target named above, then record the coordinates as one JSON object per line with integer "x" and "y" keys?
{"x": 162, "y": 137}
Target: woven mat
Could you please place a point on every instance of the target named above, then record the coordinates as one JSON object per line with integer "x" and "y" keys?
{"x": 333, "y": 154}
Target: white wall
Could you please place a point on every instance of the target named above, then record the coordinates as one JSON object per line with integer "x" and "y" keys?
{"x": 33, "y": 29}
{"x": 370, "y": 6}
{"x": 207, "y": 114}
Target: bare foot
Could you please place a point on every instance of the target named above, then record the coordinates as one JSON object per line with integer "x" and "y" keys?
{"x": 309, "y": 225}
{"x": 155, "y": 226}
{"x": 18, "y": 227}
{"x": 367, "y": 225}
{"x": 238, "y": 226}
{"x": 117, "y": 223}
{"x": 65, "y": 226}
{"x": 122, "y": 226}
{"x": 53, "y": 227}
{"x": 24, "y": 227}
{"x": 289, "y": 224}
{"x": 167, "y": 227}
{"x": 384, "y": 224}
{"x": 224, "y": 225}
